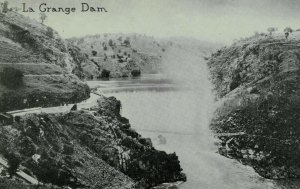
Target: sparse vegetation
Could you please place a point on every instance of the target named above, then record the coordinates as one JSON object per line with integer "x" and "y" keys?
{"x": 43, "y": 17}
{"x": 261, "y": 90}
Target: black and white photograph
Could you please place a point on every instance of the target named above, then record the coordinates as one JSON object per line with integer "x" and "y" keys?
{"x": 149, "y": 94}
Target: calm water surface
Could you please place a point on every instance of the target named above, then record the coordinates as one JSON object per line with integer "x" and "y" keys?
{"x": 158, "y": 106}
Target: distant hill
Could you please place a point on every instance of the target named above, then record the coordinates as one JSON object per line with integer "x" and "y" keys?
{"x": 122, "y": 54}
{"x": 45, "y": 63}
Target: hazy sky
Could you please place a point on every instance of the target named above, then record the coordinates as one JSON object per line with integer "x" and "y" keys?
{"x": 217, "y": 20}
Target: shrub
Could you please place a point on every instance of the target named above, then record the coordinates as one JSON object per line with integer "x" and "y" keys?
{"x": 136, "y": 73}
{"x": 13, "y": 163}
{"x": 105, "y": 73}
{"x": 11, "y": 77}
{"x": 94, "y": 53}
{"x": 127, "y": 42}
{"x": 50, "y": 32}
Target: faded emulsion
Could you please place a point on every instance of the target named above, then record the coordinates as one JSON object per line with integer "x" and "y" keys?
{"x": 151, "y": 95}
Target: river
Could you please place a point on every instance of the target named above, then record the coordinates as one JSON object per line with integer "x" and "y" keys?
{"x": 157, "y": 106}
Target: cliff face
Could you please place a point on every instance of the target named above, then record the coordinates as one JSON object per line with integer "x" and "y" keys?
{"x": 93, "y": 149}
{"x": 44, "y": 63}
{"x": 257, "y": 82}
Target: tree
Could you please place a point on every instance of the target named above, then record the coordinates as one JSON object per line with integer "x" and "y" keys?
{"x": 287, "y": 31}
{"x": 127, "y": 42}
{"x": 105, "y": 73}
{"x": 43, "y": 17}
{"x": 271, "y": 30}
{"x": 135, "y": 73}
{"x": 111, "y": 43}
{"x": 4, "y": 7}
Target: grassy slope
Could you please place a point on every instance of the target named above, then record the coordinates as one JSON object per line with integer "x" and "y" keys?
{"x": 26, "y": 45}
{"x": 146, "y": 53}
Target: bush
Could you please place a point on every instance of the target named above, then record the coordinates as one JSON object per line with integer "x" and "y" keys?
{"x": 135, "y": 73}
{"x": 50, "y": 32}
{"x": 105, "y": 73}
{"x": 94, "y": 53}
{"x": 11, "y": 77}
{"x": 127, "y": 42}
{"x": 13, "y": 163}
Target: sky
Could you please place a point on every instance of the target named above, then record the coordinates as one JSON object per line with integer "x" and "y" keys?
{"x": 211, "y": 20}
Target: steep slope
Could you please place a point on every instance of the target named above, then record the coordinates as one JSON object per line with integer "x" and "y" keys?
{"x": 87, "y": 149}
{"x": 258, "y": 85}
{"x": 43, "y": 62}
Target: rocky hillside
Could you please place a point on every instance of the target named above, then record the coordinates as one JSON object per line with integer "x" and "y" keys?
{"x": 123, "y": 55}
{"x": 87, "y": 149}
{"x": 43, "y": 65}
{"x": 257, "y": 81}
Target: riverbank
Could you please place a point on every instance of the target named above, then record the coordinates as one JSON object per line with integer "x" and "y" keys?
{"x": 181, "y": 125}
{"x": 88, "y": 148}
{"x": 257, "y": 84}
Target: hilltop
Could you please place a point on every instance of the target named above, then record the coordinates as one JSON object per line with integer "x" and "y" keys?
{"x": 258, "y": 87}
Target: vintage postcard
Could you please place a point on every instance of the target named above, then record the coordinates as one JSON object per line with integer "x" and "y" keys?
{"x": 149, "y": 94}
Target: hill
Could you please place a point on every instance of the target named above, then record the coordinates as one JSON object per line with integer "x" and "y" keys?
{"x": 44, "y": 62}
{"x": 122, "y": 55}
{"x": 258, "y": 86}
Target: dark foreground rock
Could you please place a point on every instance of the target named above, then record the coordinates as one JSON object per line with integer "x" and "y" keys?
{"x": 88, "y": 149}
{"x": 258, "y": 85}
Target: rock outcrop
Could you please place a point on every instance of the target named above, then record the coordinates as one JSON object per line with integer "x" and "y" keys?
{"x": 88, "y": 149}
{"x": 258, "y": 86}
